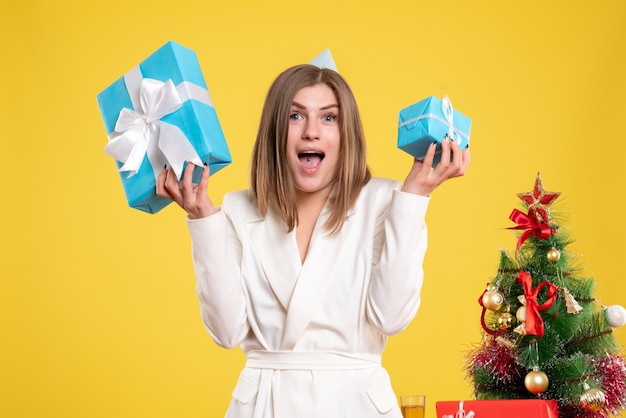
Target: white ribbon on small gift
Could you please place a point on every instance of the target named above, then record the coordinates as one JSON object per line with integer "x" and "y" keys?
{"x": 448, "y": 120}
{"x": 448, "y": 113}
{"x": 461, "y": 413}
{"x": 141, "y": 131}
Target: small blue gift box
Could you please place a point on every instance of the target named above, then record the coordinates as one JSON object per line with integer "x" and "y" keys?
{"x": 160, "y": 114}
{"x": 429, "y": 121}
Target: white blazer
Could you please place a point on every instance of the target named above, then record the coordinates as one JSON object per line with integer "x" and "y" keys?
{"x": 313, "y": 332}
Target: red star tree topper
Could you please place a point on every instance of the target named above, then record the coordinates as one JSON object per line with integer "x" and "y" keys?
{"x": 539, "y": 201}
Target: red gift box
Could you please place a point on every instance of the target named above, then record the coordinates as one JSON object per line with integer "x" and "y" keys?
{"x": 519, "y": 408}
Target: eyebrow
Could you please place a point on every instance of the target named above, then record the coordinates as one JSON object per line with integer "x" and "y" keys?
{"x": 330, "y": 106}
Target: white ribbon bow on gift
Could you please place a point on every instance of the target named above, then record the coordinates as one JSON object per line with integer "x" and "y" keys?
{"x": 448, "y": 113}
{"x": 461, "y": 413}
{"x": 139, "y": 132}
{"x": 448, "y": 119}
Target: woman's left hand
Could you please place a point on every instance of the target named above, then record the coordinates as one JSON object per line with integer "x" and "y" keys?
{"x": 423, "y": 179}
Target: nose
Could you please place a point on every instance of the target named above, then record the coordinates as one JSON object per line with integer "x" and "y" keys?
{"x": 311, "y": 129}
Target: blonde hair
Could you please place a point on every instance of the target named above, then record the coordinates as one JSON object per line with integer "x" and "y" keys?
{"x": 270, "y": 179}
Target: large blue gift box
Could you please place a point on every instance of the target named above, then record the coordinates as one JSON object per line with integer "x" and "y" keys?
{"x": 160, "y": 114}
{"x": 429, "y": 121}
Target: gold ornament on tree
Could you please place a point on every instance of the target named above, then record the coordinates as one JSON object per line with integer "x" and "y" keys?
{"x": 493, "y": 299}
{"x": 553, "y": 255}
{"x": 505, "y": 320}
{"x": 536, "y": 381}
{"x": 592, "y": 399}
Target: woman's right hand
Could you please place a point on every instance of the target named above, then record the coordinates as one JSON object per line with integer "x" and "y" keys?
{"x": 423, "y": 180}
{"x": 193, "y": 198}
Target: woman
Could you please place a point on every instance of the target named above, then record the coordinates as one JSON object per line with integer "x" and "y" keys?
{"x": 317, "y": 264}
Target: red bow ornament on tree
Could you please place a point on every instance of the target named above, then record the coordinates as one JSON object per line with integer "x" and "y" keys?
{"x": 532, "y": 226}
{"x": 534, "y": 324}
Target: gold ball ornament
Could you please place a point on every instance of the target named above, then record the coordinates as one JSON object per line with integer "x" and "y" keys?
{"x": 521, "y": 314}
{"x": 492, "y": 298}
{"x": 592, "y": 400}
{"x": 553, "y": 255}
{"x": 505, "y": 321}
{"x": 536, "y": 381}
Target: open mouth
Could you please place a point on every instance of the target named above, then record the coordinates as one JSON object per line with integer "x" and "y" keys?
{"x": 310, "y": 159}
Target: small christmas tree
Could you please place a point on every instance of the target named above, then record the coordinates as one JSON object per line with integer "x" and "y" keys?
{"x": 545, "y": 336}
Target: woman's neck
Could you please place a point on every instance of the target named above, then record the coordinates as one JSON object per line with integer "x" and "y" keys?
{"x": 309, "y": 206}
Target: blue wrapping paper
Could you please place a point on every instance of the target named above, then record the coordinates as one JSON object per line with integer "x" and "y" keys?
{"x": 428, "y": 121}
{"x": 173, "y": 69}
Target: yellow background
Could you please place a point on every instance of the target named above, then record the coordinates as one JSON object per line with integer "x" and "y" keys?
{"x": 98, "y": 311}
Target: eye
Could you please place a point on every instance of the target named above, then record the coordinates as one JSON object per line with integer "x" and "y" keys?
{"x": 295, "y": 116}
{"x": 330, "y": 117}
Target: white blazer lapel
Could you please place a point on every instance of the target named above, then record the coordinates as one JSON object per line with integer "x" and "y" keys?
{"x": 314, "y": 280}
{"x": 278, "y": 254}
